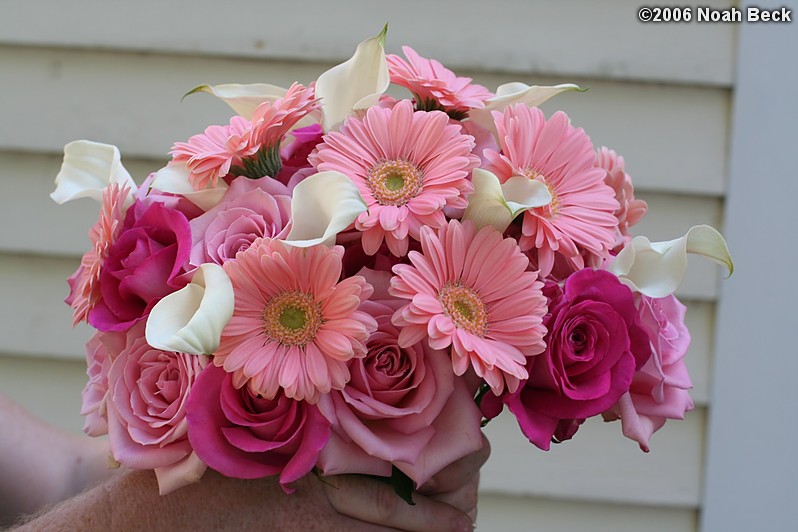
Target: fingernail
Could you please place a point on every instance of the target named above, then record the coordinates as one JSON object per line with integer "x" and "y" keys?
{"x": 463, "y": 524}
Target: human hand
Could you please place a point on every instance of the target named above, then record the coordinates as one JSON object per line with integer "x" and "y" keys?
{"x": 458, "y": 483}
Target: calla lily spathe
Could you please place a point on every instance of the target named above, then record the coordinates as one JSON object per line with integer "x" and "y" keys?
{"x": 356, "y": 83}
{"x": 656, "y": 269}
{"x": 322, "y": 206}
{"x": 88, "y": 168}
{"x": 496, "y": 204}
{"x": 243, "y": 98}
{"x": 513, "y": 93}
{"x": 174, "y": 179}
{"x": 191, "y": 320}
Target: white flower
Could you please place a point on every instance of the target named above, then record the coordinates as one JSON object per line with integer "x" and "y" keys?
{"x": 191, "y": 320}
{"x": 497, "y": 204}
{"x": 355, "y": 84}
{"x": 88, "y": 168}
{"x": 322, "y": 206}
{"x": 656, "y": 269}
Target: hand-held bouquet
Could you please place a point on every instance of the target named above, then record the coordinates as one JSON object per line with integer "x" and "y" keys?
{"x": 340, "y": 281}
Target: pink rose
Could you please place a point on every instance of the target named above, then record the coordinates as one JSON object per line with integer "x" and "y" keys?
{"x": 143, "y": 265}
{"x": 147, "y": 427}
{"x": 251, "y": 208}
{"x": 594, "y": 345}
{"x": 402, "y": 407}
{"x": 659, "y": 390}
{"x": 101, "y": 350}
{"x": 245, "y": 436}
{"x": 294, "y": 154}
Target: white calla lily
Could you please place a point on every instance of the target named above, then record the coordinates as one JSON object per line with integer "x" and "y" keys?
{"x": 191, "y": 320}
{"x": 243, "y": 99}
{"x": 656, "y": 269}
{"x": 355, "y": 84}
{"x": 173, "y": 178}
{"x": 513, "y": 93}
{"x": 88, "y": 168}
{"x": 496, "y": 204}
{"x": 322, "y": 206}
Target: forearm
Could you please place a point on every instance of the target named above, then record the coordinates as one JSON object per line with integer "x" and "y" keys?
{"x": 40, "y": 464}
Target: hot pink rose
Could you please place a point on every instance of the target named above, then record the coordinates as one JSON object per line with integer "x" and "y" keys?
{"x": 245, "y": 436}
{"x": 101, "y": 350}
{"x": 594, "y": 345}
{"x": 251, "y": 208}
{"x": 659, "y": 390}
{"x": 143, "y": 265}
{"x": 294, "y": 154}
{"x": 147, "y": 427}
{"x": 402, "y": 407}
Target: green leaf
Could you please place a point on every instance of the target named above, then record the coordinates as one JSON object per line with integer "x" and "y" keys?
{"x": 402, "y": 485}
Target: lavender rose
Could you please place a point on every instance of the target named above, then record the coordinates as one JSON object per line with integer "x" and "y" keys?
{"x": 402, "y": 407}
{"x": 594, "y": 346}
{"x": 659, "y": 390}
{"x": 242, "y": 435}
{"x": 251, "y": 208}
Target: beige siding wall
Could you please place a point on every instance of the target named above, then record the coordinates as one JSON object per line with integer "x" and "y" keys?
{"x": 658, "y": 94}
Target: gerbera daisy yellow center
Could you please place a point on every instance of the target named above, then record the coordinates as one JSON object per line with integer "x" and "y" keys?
{"x": 553, "y": 207}
{"x": 394, "y": 182}
{"x": 464, "y": 306}
{"x": 292, "y": 318}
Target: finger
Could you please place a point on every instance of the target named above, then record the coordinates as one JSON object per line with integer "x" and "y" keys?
{"x": 375, "y": 502}
{"x": 464, "y": 498}
{"x": 459, "y": 473}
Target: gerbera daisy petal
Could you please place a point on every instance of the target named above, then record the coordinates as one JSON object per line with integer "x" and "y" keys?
{"x": 446, "y": 283}
{"x": 580, "y": 219}
{"x": 407, "y": 165}
{"x": 283, "y": 331}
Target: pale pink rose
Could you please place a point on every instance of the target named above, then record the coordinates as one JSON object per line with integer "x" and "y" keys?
{"x": 245, "y": 435}
{"x": 659, "y": 390}
{"x": 251, "y": 208}
{"x": 101, "y": 351}
{"x": 147, "y": 427}
{"x": 631, "y": 210}
{"x": 403, "y": 407}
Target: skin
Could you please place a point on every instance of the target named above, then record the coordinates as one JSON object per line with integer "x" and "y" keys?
{"x": 41, "y": 465}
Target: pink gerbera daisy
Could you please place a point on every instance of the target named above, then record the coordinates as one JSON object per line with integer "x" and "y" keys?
{"x": 248, "y": 148}
{"x": 85, "y": 282}
{"x": 580, "y": 222}
{"x": 295, "y": 325}
{"x": 434, "y": 86}
{"x": 407, "y": 165}
{"x": 209, "y": 156}
{"x": 472, "y": 290}
{"x": 631, "y": 210}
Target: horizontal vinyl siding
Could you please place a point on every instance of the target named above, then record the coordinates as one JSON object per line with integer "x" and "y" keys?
{"x": 570, "y": 37}
{"x": 674, "y": 138}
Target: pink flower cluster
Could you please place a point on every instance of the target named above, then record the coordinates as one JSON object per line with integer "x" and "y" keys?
{"x": 368, "y": 355}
